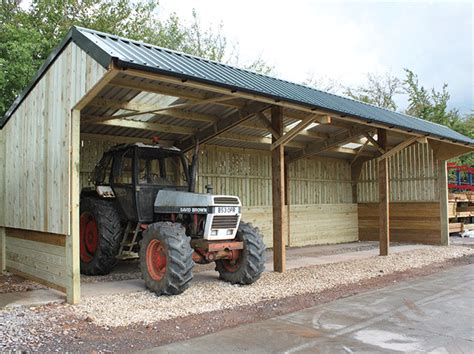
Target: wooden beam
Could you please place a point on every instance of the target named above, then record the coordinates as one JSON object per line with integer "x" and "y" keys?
{"x": 384, "y": 197}
{"x": 359, "y": 152}
{"x": 255, "y": 139}
{"x": 3, "y": 250}
{"x": 278, "y": 194}
{"x": 121, "y": 139}
{"x": 356, "y": 169}
{"x": 157, "y": 110}
{"x": 223, "y": 125}
{"x": 443, "y": 202}
{"x": 268, "y": 124}
{"x": 374, "y": 143}
{"x": 169, "y": 91}
{"x": 282, "y": 140}
{"x": 259, "y": 98}
{"x": 222, "y": 90}
{"x": 333, "y": 142}
{"x": 348, "y": 151}
{"x": 400, "y": 146}
{"x": 172, "y": 112}
{"x": 73, "y": 276}
{"x": 136, "y": 124}
{"x": 99, "y": 86}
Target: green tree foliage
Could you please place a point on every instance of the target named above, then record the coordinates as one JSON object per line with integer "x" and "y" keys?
{"x": 431, "y": 105}
{"x": 27, "y": 36}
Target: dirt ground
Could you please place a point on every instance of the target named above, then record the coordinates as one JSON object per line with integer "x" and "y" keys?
{"x": 73, "y": 334}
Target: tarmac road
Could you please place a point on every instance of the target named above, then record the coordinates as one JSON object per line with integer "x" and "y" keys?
{"x": 429, "y": 314}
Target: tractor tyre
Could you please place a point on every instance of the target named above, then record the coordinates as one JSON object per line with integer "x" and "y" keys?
{"x": 100, "y": 236}
{"x": 251, "y": 262}
{"x": 166, "y": 258}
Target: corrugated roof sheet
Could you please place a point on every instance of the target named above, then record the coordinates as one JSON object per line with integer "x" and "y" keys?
{"x": 126, "y": 53}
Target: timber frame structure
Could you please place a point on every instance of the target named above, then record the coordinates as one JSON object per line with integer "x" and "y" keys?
{"x": 97, "y": 88}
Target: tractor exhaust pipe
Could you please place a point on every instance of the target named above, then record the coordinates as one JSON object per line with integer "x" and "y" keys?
{"x": 193, "y": 169}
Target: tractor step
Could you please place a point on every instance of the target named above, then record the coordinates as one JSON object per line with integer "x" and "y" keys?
{"x": 128, "y": 244}
{"x": 127, "y": 255}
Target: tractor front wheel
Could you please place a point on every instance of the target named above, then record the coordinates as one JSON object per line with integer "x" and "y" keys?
{"x": 166, "y": 258}
{"x": 250, "y": 264}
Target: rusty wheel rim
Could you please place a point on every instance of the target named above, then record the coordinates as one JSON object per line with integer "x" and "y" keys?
{"x": 89, "y": 237}
{"x": 233, "y": 265}
{"x": 156, "y": 260}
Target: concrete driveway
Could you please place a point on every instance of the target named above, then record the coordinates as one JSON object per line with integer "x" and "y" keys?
{"x": 429, "y": 314}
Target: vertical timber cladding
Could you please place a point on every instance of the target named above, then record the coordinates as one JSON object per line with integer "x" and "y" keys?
{"x": 37, "y": 169}
{"x": 414, "y": 197}
{"x": 2, "y": 202}
{"x": 320, "y": 205}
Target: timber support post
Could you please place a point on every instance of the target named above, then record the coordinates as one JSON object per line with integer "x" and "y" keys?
{"x": 384, "y": 196}
{"x": 3, "y": 251}
{"x": 443, "y": 202}
{"x": 278, "y": 194}
{"x": 73, "y": 286}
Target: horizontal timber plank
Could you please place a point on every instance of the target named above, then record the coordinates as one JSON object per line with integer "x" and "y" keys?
{"x": 37, "y": 236}
{"x": 409, "y": 222}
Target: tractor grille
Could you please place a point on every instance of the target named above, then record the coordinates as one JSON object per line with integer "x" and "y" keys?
{"x": 224, "y": 222}
{"x": 226, "y": 201}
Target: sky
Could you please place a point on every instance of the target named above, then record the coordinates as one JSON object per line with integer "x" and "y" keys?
{"x": 345, "y": 40}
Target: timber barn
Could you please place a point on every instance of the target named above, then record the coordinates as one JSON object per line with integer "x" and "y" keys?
{"x": 310, "y": 167}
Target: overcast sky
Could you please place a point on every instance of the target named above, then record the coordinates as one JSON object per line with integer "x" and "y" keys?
{"x": 344, "y": 40}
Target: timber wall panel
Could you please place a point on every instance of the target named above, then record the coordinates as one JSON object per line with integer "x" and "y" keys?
{"x": 36, "y": 188}
{"x": 323, "y": 224}
{"x": 247, "y": 173}
{"x": 38, "y": 256}
{"x": 412, "y": 222}
{"x": 37, "y": 145}
{"x": 413, "y": 177}
{"x": 309, "y": 224}
{"x": 3, "y": 203}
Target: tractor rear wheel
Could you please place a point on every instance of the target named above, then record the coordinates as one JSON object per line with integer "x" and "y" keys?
{"x": 100, "y": 236}
{"x": 166, "y": 258}
{"x": 250, "y": 264}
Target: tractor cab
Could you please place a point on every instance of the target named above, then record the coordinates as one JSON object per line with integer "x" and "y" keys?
{"x": 135, "y": 173}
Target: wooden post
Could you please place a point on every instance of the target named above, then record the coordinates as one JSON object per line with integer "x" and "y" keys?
{"x": 3, "y": 251}
{"x": 278, "y": 194}
{"x": 443, "y": 201}
{"x": 73, "y": 287}
{"x": 384, "y": 196}
{"x": 287, "y": 204}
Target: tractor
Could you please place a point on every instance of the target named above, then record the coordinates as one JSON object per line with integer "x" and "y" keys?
{"x": 143, "y": 205}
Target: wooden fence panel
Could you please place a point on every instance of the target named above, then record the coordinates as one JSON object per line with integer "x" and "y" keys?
{"x": 413, "y": 177}
{"x": 414, "y": 222}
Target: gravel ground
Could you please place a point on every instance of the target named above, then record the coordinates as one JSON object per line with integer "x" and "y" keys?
{"x": 211, "y": 295}
{"x": 10, "y": 283}
{"x": 94, "y": 325}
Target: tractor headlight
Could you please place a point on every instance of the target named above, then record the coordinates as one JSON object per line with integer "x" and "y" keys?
{"x": 213, "y": 232}
{"x": 229, "y": 232}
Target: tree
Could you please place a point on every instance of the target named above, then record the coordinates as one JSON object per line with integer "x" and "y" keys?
{"x": 27, "y": 36}
{"x": 431, "y": 105}
{"x": 380, "y": 90}
{"x": 322, "y": 83}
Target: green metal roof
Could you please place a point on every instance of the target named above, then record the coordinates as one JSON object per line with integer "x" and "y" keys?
{"x": 105, "y": 48}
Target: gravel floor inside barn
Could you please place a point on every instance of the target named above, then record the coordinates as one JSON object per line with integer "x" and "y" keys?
{"x": 212, "y": 294}
{"x": 60, "y": 327}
